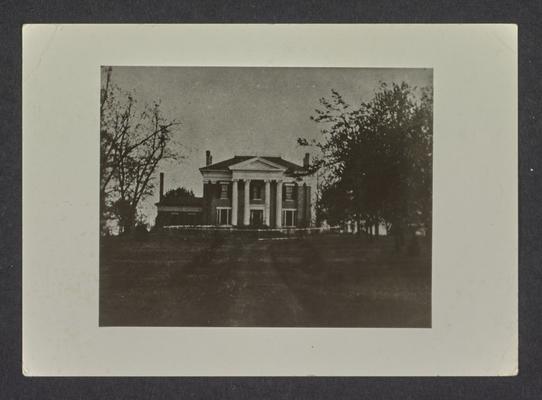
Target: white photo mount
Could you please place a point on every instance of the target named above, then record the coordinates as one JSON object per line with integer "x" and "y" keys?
{"x": 475, "y": 296}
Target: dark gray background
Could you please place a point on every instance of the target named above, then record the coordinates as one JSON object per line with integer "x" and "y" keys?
{"x": 527, "y": 14}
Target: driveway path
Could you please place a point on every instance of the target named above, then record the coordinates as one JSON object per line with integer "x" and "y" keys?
{"x": 262, "y": 297}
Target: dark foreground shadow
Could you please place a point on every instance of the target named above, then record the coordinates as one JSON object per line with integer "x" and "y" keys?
{"x": 316, "y": 281}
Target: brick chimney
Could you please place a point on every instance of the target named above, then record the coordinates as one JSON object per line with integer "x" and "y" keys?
{"x": 306, "y": 160}
{"x": 161, "y": 186}
{"x": 208, "y": 158}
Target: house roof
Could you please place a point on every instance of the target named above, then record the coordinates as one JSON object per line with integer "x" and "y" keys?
{"x": 181, "y": 201}
{"x": 226, "y": 164}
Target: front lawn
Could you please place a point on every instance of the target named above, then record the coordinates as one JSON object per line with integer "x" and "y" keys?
{"x": 320, "y": 280}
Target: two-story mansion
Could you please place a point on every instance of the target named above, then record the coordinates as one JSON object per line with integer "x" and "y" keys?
{"x": 253, "y": 191}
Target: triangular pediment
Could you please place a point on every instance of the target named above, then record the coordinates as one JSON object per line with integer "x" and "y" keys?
{"x": 257, "y": 164}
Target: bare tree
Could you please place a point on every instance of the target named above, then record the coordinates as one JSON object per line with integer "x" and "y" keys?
{"x": 133, "y": 141}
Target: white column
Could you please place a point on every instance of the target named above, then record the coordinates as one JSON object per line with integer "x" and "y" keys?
{"x": 246, "y": 215}
{"x": 234, "y": 205}
{"x": 267, "y": 195}
{"x": 279, "y": 204}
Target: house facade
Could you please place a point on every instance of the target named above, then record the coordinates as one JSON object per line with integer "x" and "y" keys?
{"x": 255, "y": 191}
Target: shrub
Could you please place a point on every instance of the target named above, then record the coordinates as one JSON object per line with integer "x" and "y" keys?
{"x": 141, "y": 232}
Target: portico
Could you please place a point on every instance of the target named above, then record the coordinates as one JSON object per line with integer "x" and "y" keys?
{"x": 253, "y": 200}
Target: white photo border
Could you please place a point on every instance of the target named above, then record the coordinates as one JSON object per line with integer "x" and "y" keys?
{"x": 475, "y": 209}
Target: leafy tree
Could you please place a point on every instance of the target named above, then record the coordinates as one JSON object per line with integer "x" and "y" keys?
{"x": 175, "y": 195}
{"x": 133, "y": 141}
{"x": 376, "y": 158}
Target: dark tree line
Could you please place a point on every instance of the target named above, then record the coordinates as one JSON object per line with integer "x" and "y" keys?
{"x": 376, "y": 159}
{"x": 134, "y": 139}
{"x": 174, "y": 196}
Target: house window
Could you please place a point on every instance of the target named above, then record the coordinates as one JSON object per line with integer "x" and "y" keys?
{"x": 288, "y": 217}
{"x": 256, "y": 191}
{"x": 224, "y": 190}
{"x": 288, "y": 192}
{"x": 223, "y": 215}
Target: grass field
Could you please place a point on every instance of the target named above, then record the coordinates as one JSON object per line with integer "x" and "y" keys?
{"x": 327, "y": 280}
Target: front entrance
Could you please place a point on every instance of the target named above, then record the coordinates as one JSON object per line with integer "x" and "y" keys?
{"x": 256, "y": 217}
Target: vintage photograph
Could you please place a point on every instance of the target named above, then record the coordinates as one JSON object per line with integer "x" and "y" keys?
{"x": 265, "y": 197}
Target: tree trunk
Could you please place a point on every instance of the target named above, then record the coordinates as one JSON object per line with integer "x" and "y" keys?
{"x": 127, "y": 220}
{"x": 414, "y": 245}
{"x": 399, "y": 236}
{"x": 360, "y": 227}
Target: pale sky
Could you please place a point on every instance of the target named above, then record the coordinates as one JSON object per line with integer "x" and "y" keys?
{"x": 245, "y": 111}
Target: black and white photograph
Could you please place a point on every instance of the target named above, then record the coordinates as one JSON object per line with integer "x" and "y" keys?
{"x": 265, "y": 196}
{"x": 270, "y": 200}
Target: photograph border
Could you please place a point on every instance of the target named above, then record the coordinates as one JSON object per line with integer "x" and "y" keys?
{"x": 470, "y": 298}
